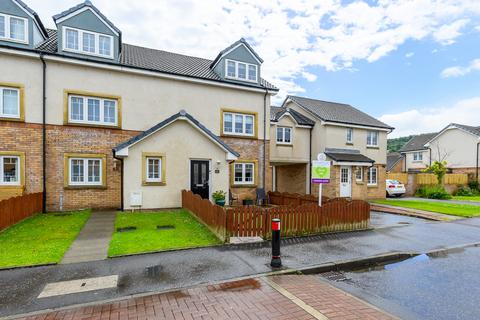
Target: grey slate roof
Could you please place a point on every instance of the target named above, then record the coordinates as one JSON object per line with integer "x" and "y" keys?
{"x": 347, "y": 155}
{"x": 471, "y": 129}
{"x": 337, "y": 112}
{"x": 418, "y": 142}
{"x": 277, "y": 112}
{"x": 392, "y": 159}
{"x": 35, "y": 15}
{"x": 242, "y": 40}
{"x": 87, "y": 3}
{"x": 166, "y": 122}
{"x": 160, "y": 61}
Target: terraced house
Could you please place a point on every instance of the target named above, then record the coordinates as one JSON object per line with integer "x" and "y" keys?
{"x": 99, "y": 123}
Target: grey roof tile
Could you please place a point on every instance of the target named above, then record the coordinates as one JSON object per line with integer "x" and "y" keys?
{"x": 417, "y": 142}
{"x": 166, "y": 122}
{"x": 392, "y": 159}
{"x": 472, "y": 129}
{"x": 346, "y": 155}
{"x": 277, "y": 112}
{"x": 337, "y": 112}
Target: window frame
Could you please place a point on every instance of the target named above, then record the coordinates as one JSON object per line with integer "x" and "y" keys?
{"x": 349, "y": 136}
{"x": 18, "y": 167}
{"x": 284, "y": 129}
{"x": 243, "y": 183}
{"x": 376, "y": 133}
{"x": 418, "y": 156}
{"x": 359, "y": 169}
{"x": 244, "y": 115}
{"x": 80, "y": 50}
{"x": 85, "y": 96}
{"x": 147, "y": 164}
{"x": 7, "y": 30}
{"x": 4, "y": 115}
{"x": 247, "y": 71}
{"x": 21, "y": 94}
{"x": 369, "y": 176}
{"x": 162, "y": 181}
{"x": 85, "y": 158}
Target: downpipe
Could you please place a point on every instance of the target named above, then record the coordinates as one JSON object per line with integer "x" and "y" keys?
{"x": 44, "y": 134}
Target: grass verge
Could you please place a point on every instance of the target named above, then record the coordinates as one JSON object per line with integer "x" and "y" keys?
{"x": 187, "y": 233}
{"x": 40, "y": 239}
{"x": 461, "y": 210}
{"x": 464, "y": 198}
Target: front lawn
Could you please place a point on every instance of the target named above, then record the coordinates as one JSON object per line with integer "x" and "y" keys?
{"x": 40, "y": 239}
{"x": 181, "y": 230}
{"x": 466, "y": 198}
{"x": 462, "y": 210}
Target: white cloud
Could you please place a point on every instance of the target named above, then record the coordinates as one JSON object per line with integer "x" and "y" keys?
{"x": 290, "y": 35}
{"x": 409, "y": 55}
{"x": 459, "y": 71}
{"x": 422, "y": 120}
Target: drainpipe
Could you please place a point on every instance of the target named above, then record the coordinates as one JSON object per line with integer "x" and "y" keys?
{"x": 44, "y": 133}
{"x": 310, "y": 164}
{"x": 478, "y": 154}
{"x": 430, "y": 160}
{"x": 121, "y": 180}
{"x": 264, "y": 138}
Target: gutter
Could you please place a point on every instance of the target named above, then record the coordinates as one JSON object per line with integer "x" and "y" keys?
{"x": 44, "y": 134}
{"x": 121, "y": 180}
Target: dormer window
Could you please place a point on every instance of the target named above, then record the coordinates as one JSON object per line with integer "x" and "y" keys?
{"x": 13, "y": 28}
{"x": 241, "y": 71}
{"x": 86, "y": 42}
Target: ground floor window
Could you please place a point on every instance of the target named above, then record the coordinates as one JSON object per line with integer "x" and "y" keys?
{"x": 85, "y": 170}
{"x": 372, "y": 176}
{"x": 244, "y": 173}
{"x": 153, "y": 169}
{"x": 9, "y": 169}
{"x": 359, "y": 174}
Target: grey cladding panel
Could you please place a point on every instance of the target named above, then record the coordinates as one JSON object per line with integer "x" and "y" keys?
{"x": 10, "y": 8}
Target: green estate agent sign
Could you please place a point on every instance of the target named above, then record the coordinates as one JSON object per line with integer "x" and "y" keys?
{"x": 320, "y": 171}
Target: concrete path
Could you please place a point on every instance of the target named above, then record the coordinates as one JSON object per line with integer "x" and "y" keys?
{"x": 472, "y": 203}
{"x": 93, "y": 241}
{"x": 429, "y": 215}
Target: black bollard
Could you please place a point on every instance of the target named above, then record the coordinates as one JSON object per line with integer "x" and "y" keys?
{"x": 276, "y": 260}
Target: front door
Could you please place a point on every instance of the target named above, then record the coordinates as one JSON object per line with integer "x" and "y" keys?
{"x": 199, "y": 178}
{"x": 345, "y": 181}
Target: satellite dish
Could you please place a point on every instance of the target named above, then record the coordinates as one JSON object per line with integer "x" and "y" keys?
{"x": 322, "y": 157}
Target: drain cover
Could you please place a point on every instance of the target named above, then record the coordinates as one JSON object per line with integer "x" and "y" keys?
{"x": 153, "y": 271}
{"x": 124, "y": 229}
{"x": 165, "y": 227}
{"x": 334, "y": 276}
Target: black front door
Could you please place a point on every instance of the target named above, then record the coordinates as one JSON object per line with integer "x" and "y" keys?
{"x": 199, "y": 173}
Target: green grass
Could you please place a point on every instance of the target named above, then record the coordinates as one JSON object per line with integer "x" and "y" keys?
{"x": 40, "y": 239}
{"x": 462, "y": 210}
{"x": 188, "y": 233}
{"x": 465, "y": 198}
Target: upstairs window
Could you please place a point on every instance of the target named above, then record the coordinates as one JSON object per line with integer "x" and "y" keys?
{"x": 241, "y": 71}
{"x": 349, "y": 135}
{"x": 417, "y": 156}
{"x": 92, "y": 110}
{"x": 9, "y": 102}
{"x": 13, "y": 28}
{"x": 284, "y": 135}
{"x": 86, "y": 42}
{"x": 238, "y": 124}
{"x": 372, "y": 139}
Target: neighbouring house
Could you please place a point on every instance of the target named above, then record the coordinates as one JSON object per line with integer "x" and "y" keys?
{"x": 395, "y": 162}
{"x": 457, "y": 144}
{"x": 354, "y": 141}
{"x": 113, "y": 125}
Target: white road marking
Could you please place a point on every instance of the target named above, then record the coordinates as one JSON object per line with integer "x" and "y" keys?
{"x": 80, "y": 285}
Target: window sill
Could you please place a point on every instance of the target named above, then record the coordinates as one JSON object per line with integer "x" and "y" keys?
{"x": 284, "y": 144}
{"x": 373, "y": 147}
{"x": 88, "y": 125}
{"x": 349, "y": 143}
{"x": 11, "y": 187}
{"x": 360, "y": 182}
{"x": 84, "y": 187}
{"x": 226, "y": 135}
{"x": 372, "y": 185}
{"x": 20, "y": 119}
{"x": 243, "y": 185}
{"x": 151, "y": 184}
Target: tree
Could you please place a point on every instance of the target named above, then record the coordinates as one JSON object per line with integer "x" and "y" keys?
{"x": 439, "y": 169}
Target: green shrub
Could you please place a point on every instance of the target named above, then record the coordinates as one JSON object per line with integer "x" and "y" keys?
{"x": 473, "y": 185}
{"x": 464, "y": 191}
{"x": 433, "y": 192}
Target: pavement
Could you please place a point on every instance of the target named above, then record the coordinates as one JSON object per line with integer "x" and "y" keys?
{"x": 429, "y": 215}
{"x": 277, "y": 297}
{"x": 473, "y": 203}
{"x": 93, "y": 240}
{"x": 155, "y": 273}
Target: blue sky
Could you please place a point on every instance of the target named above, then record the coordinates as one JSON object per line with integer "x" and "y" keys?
{"x": 415, "y": 64}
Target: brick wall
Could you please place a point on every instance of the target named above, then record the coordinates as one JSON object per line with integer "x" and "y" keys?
{"x": 378, "y": 191}
{"x": 291, "y": 178}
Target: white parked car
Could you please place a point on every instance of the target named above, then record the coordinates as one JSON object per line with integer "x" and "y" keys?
{"x": 395, "y": 188}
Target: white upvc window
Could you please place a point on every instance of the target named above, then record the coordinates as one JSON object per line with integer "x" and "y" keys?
{"x": 9, "y": 170}
{"x": 359, "y": 174}
{"x": 87, "y": 42}
{"x": 91, "y": 110}
{"x": 241, "y": 70}
{"x": 85, "y": 171}
{"x": 284, "y": 135}
{"x": 154, "y": 169}
{"x": 349, "y": 135}
{"x": 244, "y": 173}
{"x": 238, "y": 124}
{"x": 9, "y": 102}
{"x": 372, "y": 176}
{"x": 372, "y": 138}
{"x": 13, "y": 28}
{"x": 417, "y": 156}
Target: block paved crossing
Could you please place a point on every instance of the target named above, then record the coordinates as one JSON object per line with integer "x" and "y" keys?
{"x": 290, "y": 297}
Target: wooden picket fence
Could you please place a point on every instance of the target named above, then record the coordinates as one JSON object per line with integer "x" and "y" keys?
{"x": 293, "y": 199}
{"x": 18, "y": 208}
{"x": 334, "y": 215}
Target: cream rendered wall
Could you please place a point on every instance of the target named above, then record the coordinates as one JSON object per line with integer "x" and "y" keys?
{"x": 27, "y": 72}
{"x": 457, "y": 147}
{"x": 180, "y": 142}
{"x": 411, "y": 164}
{"x": 146, "y": 100}
{"x": 298, "y": 151}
